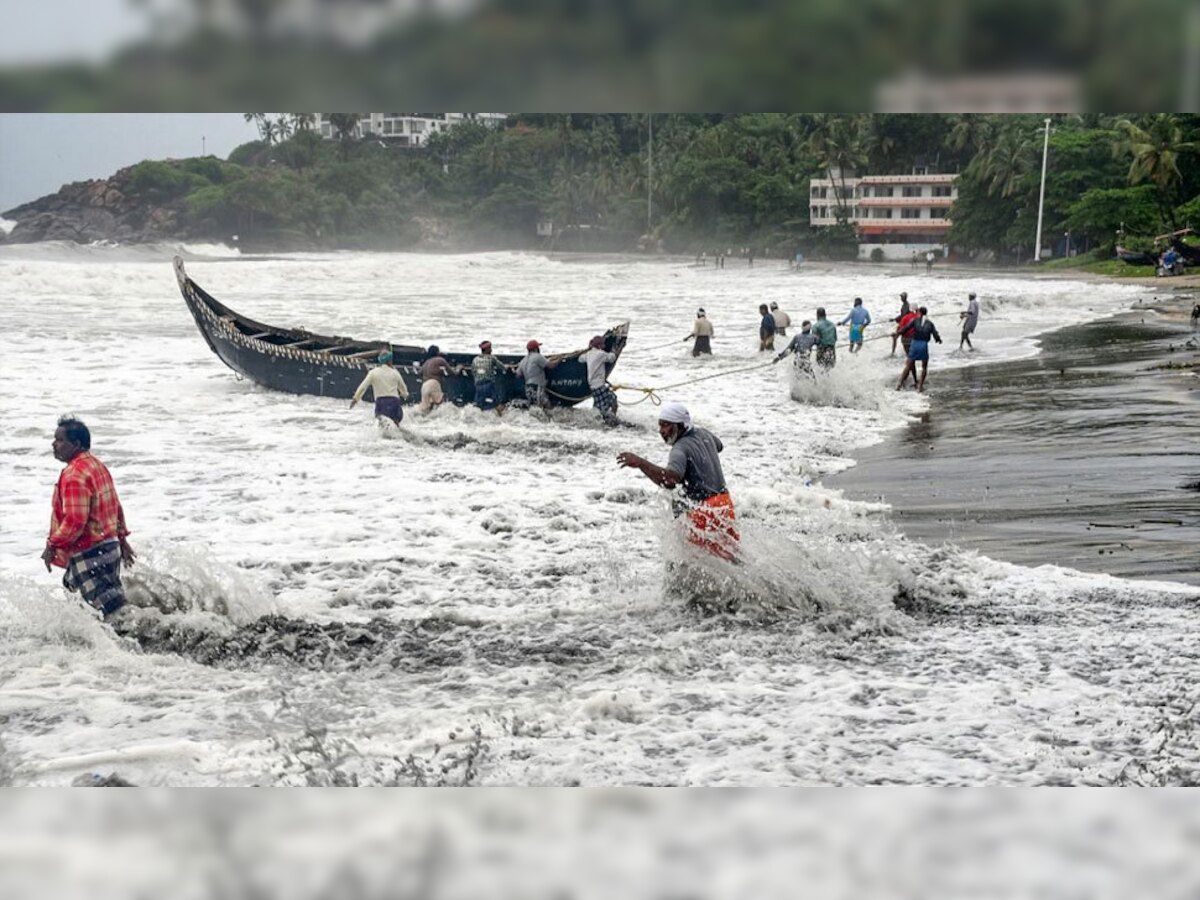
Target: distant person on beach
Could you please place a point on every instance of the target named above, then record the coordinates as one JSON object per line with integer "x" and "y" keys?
{"x": 858, "y": 318}
{"x": 826, "y": 333}
{"x": 598, "y": 362}
{"x": 750, "y": 257}
{"x": 928, "y": 261}
{"x": 904, "y": 310}
{"x": 923, "y": 330}
{"x": 387, "y": 385}
{"x": 782, "y": 319}
{"x": 487, "y": 369}
{"x": 702, "y": 333}
{"x": 533, "y": 368}
{"x": 88, "y": 535}
{"x": 766, "y": 329}
{"x": 1196, "y": 317}
{"x": 694, "y": 462}
{"x": 914, "y": 261}
{"x": 970, "y": 318}
{"x": 801, "y": 345}
{"x": 905, "y": 329}
{"x": 432, "y": 371}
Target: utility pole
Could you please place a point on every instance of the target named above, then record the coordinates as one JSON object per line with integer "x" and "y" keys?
{"x": 650, "y": 176}
{"x": 1037, "y": 245}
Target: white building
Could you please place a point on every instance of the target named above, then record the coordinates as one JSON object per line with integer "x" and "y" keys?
{"x": 896, "y": 213}
{"x": 409, "y": 129}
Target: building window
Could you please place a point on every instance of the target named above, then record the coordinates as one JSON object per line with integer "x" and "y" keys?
{"x": 818, "y": 193}
{"x": 941, "y": 190}
{"x": 881, "y": 191}
{"x": 912, "y": 191}
{"x": 910, "y": 213}
{"x": 882, "y": 213}
{"x": 937, "y": 213}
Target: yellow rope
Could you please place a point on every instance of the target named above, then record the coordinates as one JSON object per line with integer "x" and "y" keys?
{"x": 652, "y": 393}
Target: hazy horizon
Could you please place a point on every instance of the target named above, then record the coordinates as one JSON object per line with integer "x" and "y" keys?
{"x": 40, "y": 152}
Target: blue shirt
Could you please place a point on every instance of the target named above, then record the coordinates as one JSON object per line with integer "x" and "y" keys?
{"x": 858, "y": 315}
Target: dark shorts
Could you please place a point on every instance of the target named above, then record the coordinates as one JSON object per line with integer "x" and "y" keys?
{"x": 826, "y": 357}
{"x": 919, "y": 351}
{"x": 969, "y": 326}
{"x": 486, "y": 395}
{"x": 389, "y": 408}
{"x": 906, "y": 342}
{"x": 703, "y": 345}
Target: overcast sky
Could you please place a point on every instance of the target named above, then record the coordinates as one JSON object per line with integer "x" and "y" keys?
{"x": 40, "y": 152}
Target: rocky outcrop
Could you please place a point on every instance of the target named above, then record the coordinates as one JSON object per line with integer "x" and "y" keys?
{"x": 87, "y": 211}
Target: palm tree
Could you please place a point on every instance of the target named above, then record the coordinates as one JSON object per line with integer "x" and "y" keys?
{"x": 303, "y": 121}
{"x": 1008, "y": 161}
{"x": 1155, "y": 145}
{"x": 282, "y": 128}
{"x": 261, "y": 123}
{"x": 345, "y": 126}
{"x": 837, "y": 143}
{"x": 970, "y": 132}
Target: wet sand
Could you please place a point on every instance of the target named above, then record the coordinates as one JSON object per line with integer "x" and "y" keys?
{"x": 1087, "y": 456}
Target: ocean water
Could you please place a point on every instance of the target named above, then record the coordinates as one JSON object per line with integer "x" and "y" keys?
{"x": 475, "y": 599}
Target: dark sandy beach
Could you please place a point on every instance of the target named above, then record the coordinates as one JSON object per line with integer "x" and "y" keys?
{"x": 1086, "y": 456}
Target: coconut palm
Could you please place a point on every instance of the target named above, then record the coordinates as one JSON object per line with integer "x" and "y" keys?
{"x": 303, "y": 121}
{"x": 1154, "y": 145}
{"x": 837, "y": 143}
{"x": 1010, "y": 158}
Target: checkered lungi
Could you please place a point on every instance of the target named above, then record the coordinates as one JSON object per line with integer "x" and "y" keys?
{"x": 96, "y": 574}
{"x": 604, "y": 399}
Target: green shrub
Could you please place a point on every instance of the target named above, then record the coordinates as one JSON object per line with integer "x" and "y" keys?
{"x": 877, "y": 254}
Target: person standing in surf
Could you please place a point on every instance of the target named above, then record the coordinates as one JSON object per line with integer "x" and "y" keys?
{"x": 88, "y": 535}
{"x": 533, "y": 370}
{"x": 433, "y": 370}
{"x": 801, "y": 344}
{"x": 858, "y": 318}
{"x": 388, "y": 386}
{"x": 970, "y": 317}
{"x": 487, "y": 371}
{"x": 599, "y": 361}
{"x": 826, "y": 333}
{"x": 701, "y": 336}
{"x": 782, "y": 320}
{"x": 904, "y": 310}
{"x": 694, "y": 462}
{"x": 766, "y": 329}
{"x": 923, "y": 330}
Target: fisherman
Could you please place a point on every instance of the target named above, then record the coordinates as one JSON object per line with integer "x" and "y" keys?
{"x": 923, "y": 330}
{"x": 859, "y": 319}
{"x": 533, "y": 369}
{"x": 970, "y": 317}
{"x": 801, "y": 345}
{"x": 826, "y": 333}
{"x": 905, "y": 329}
{"x": 598, "y": 362}
{"x": 914, "y": 260}
{"x": 928, "y": 261}
{"x": 1196, "y": 317}
{"x": 433, "y": 370}
{"x": 695, "y": 463}
{"x": 88, "y": 536}
{"x": 782, "y": 319}
{"x": 487, "y": 370}
{"x": 904, "y": 310}
{"x": 702, "y": 333}
{"x": 388, "y": 386}
{"x": 766, "y": 329}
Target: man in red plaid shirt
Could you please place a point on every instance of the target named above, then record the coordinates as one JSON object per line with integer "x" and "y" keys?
{"x": 87, "y": 523}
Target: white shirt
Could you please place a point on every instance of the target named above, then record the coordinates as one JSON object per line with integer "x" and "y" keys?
{"x": 385, "y": 382}
{"x": 596, "y": 361}
{"x": 782, "y": 319}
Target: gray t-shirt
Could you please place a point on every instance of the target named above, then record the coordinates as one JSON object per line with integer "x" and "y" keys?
{"x": 533, "y": 369}
{"x": 695, "y": 458}
{"x": 972, "y": 313}
{"x": 802, "y": 343}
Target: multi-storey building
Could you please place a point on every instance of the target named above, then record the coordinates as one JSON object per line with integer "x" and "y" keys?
{"x": 409, "y": 129}
{"x": 897, "y": 213}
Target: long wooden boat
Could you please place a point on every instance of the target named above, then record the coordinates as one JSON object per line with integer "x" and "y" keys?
{"x": 300, "y": 362}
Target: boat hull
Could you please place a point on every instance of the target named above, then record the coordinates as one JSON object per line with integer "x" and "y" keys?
{"x": 300, "y": 362}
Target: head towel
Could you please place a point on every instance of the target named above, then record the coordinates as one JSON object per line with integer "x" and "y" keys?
{"x": 385, "y": 356}
{"x": 676, "y": 413}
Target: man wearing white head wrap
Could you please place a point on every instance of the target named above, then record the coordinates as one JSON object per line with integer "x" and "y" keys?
{"x": 695, "y": 464}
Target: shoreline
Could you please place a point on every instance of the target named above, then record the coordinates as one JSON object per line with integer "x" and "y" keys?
{"x": 1080, "y": 456}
